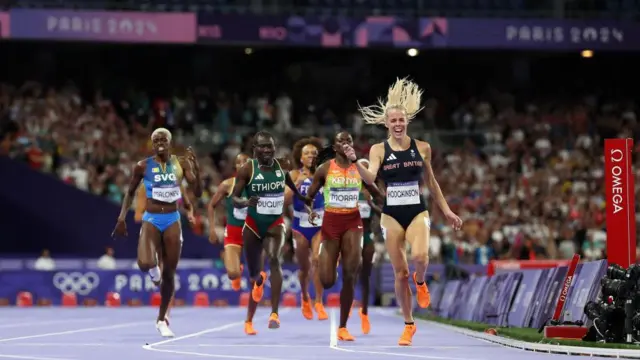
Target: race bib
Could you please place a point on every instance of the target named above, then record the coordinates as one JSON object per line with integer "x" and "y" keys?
{"x": 271, "y": 204}
{"x": 304, "y": 219}
{"x": 344, "y": 198}
{"x": 365, "y": 209}
{"x": 240, "y": 214}
{"x": 406, "y": 193}
{"x": 169, "y": 194}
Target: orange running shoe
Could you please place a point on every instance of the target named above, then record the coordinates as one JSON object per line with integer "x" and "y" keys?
{"x": 423, "y": 296}
{"x": 407, "y": 335}
{"x": 258, "y": 291}
{"x": 307, "y": 309}
{"x": 274, "y": 321}
{"x": 236, "y": 284}
{"x": 364, "y": 321}
{"x": 322, "y": 314}
{"x": 248, "y": 328}
{"x": 343, "y": 334}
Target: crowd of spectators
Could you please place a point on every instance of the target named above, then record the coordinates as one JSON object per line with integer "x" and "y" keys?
{"x": 527, "y": 178}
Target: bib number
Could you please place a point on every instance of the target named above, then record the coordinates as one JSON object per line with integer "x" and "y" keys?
{"x": 271, "y": 204}
{"x": 240, "y": 214}
{"x": 166, "y": 194}
{"x": 304, "y": 219}
{"x": 407, "y": 193}
{"x": 365, "y": 209}
{"x": 343, "y": 198}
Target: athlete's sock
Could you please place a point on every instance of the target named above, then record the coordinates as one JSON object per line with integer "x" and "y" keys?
{"x": 155, "y": 273}
{"x": 260, "y": 280}
{"x": 420, "y": 283}
{"x": 409, "y": 323}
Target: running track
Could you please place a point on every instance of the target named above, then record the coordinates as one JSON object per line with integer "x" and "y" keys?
{"x": 123, "y": 333}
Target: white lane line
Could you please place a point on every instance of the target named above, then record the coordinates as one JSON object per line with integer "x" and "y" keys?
{"x": 153, "y": 346}
{"x": 77, "y": 331}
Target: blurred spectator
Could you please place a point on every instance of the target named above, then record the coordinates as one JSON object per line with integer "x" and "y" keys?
{"x": 44, "y": 262}
{"x": 107, "y": 261}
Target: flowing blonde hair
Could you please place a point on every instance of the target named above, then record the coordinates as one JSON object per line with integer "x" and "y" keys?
{"x": 404, "y": 94}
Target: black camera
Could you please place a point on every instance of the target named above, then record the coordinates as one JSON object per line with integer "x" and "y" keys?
{"x": 615, "y": 316}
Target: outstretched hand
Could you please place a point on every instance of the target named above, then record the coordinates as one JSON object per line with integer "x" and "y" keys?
{"x": 191, "y": 156}
{"x": 454, "y": 220}
{"x": 120, "y": 230}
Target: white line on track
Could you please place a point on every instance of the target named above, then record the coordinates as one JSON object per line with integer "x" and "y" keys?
{"x": 27, "y": 344}
{"x": 333, "y": 345}
{"x": 153, "y": 347}
{"x": 23, "y": 357}
{"x": 316, "y": 346}
{"x": 47, "y": 322}
{"x": 77, "y": 331}
{"x": 185, "y": 346}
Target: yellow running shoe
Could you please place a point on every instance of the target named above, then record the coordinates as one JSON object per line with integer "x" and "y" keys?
{"x": 274, "y": 321}
{"x": 407, "y": 335}
{"x": 307, "y": 309}
{"x": 364, "y": 321}
{"x": 258, "y": 291}
{"x": 322, "y": 314}
{"x": 422, "y": 293}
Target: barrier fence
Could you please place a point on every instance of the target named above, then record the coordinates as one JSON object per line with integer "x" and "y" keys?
{"x": 133, "y": 284}
{"x": 525, "y": 298}
{"x": 89, "y": 282}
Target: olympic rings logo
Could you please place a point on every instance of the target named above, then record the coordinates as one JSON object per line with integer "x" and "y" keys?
{"x": 290, "y": 281}
{"x": 76, "y": 282}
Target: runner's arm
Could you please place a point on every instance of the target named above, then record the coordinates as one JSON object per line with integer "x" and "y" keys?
{"x": 377, "y": 209}
{"x": 374, "y": 191}
{"x": 192, "y": 174}
{"x": 375, "y": 159}
{"x": 286, "y": 166}
{"x": 141, "y": 202}
{"x": 221, "y": 192}
{"x": 242, "y": 178}
{"x": 425, "y": 151}
{"x": 318, "y": 181}
{"x": 136, "y": 177}
{"x": 288, "y": 193}
{"x": 186, "y": 202}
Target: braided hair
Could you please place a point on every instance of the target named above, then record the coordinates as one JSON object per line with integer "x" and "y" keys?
{"x": 327, "y": 153}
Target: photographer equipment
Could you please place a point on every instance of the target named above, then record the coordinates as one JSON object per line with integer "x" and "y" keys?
{"x": 615, "y": 315}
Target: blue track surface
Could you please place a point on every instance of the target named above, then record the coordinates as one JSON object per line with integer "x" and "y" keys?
{"x": 129, "y": 333}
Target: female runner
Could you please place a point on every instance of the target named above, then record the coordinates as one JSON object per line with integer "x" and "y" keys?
{"x": 140, "y": 208}
{"x": 233, "y": 229}
{"x": 161, "y": 232}
{"x": 341, "y": 224}
{"x": 404, "y": 164}
{"x": 306, "y": 236}
{"x": 368, "y": 209}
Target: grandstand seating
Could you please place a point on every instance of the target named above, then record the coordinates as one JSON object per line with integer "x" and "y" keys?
{"x": 627, "y": 9}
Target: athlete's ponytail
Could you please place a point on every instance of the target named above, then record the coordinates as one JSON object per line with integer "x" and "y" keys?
{"x": 327, "y": 153}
